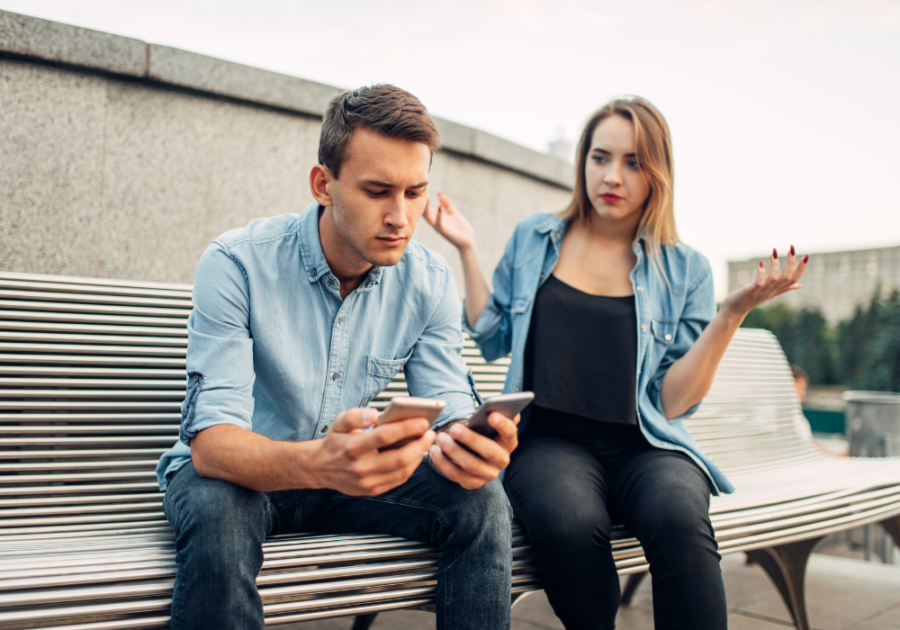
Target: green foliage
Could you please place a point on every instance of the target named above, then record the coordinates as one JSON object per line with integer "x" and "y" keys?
{"x": 862, "y": 352}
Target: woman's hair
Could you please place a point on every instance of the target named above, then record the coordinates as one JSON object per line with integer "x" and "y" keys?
{"x": 653, "y": 146}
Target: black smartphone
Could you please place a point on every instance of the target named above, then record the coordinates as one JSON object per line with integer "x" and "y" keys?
{"x": 507, "y": 404}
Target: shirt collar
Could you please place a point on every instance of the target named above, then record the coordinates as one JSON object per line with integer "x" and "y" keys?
{"x": 314, "y": 261}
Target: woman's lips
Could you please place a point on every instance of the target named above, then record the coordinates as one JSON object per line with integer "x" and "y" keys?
{"x": 610, "y": 198}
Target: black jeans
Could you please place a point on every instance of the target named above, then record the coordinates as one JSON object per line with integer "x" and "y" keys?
{"x": 567, "y": 477}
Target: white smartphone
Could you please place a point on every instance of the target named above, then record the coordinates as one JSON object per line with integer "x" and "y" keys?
{"x": 403, "y": 407}
{"x": 507, "y": 404}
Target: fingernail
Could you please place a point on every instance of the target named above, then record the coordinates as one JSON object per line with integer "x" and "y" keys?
{"x": 370, "y": 416}
{"x": 775, "y": 254}
{"x": 441, "y": 438}
{"x": 434, "y": 450}
{"x": 455, "y": 430}
{"x": 761, "y": 265}
{"x": 806, "y": 259}
{"x": 792, "y": 250}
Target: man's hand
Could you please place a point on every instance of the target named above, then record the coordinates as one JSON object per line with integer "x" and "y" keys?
{"x": 473, "y": 468}
{"x": 351, "y": 461}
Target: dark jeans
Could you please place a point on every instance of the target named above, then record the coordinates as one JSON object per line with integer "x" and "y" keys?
{"x": 220, "y": 528}
{"x": 564, "y": 481}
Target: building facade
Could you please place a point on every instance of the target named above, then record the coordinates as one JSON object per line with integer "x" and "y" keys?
{"x": 835, "y": 282}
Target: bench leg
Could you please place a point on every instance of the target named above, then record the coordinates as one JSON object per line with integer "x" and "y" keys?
{"x": 364, "y": 622}
{"x": 786, "y": 566}
{"x": 634, "y": 580}
{"x": 892, "y": 527}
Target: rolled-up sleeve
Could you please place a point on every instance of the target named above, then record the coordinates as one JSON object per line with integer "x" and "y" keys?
{"x": 436, "y": 368}
{"x": 492, "y": 332}
{"x": 220, "y": 372}
{"x": 699, "y": 310}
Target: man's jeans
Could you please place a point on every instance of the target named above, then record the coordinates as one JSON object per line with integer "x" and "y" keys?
{"x": 220, "y": 528}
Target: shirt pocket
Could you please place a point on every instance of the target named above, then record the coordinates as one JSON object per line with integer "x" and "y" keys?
{"x": 663, "y": 331}
{"x": 379, "y": 373}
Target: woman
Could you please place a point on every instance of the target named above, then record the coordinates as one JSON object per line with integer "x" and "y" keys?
{"x": 611, "y": 321}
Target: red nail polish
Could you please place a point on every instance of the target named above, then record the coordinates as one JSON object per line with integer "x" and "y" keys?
{"x": 775, "y": 254}
{"x": 761, "y": 264}
{"x": 792, "y": 250}
{"x": 806, "y": 259}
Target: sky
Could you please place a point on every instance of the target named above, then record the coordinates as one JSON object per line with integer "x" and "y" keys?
{"x": 784, "y": 113}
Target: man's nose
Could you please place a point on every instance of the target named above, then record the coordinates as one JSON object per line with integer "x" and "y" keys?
{"x": 397, "y": 212}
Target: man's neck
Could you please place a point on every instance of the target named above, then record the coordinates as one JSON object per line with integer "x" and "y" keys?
{"x": 345, "y": 263}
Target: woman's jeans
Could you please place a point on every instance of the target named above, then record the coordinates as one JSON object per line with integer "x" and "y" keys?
{"x": 220, "y": 528}
{"x": 564, "y": 481}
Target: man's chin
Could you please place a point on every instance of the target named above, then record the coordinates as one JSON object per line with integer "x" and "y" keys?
{"x": 385, "y": 260}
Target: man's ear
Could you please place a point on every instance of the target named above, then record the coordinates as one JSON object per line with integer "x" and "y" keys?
{"x": 320, "y": 183}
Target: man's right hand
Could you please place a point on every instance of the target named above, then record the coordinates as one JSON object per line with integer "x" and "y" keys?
{"x": 350, "y": 461}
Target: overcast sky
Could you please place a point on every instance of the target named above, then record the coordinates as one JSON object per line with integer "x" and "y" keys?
{"x": 784, "y": 113}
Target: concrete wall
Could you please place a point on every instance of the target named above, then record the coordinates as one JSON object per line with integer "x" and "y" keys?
{"x": 122, "y": 159}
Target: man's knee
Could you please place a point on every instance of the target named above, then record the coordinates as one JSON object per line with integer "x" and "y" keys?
{"x": 483, "y": 514}
{"x": 215, "y": 518}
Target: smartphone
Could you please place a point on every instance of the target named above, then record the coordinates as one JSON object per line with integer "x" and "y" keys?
{"x": 403, "y": 407}
{"x": 507, "y": 404}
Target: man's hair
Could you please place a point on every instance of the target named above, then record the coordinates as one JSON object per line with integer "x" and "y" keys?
{"x": 383, "y": 108}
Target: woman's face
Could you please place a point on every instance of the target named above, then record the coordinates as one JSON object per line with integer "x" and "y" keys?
{"x": 615, "y": 183}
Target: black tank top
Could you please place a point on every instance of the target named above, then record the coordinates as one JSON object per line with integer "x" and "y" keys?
{"x": 581, "y": 353}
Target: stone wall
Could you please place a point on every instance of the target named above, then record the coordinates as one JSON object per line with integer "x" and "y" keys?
{"x": 122, "y": 159}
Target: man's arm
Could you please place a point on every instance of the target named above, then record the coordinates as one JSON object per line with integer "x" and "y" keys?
{"x": 436, "y": 370}
{"x": 217, "y": 413}
{"x": 348, "y": 460}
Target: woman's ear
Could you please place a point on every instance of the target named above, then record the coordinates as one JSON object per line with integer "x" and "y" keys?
{"x": 320, "y": 183}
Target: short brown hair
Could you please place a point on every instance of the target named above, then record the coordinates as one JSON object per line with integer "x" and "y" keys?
{"x": 383, "y": 108}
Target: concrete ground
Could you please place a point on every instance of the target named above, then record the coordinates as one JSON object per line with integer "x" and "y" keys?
{"x": 842, "y": 594}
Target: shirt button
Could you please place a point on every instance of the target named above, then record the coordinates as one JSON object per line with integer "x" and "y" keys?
{"x": 315, "y": 272}
{"x": 640, "y": 288}
{"x": 668, "y": 337}
{"x": 324, "y": 429}
{"x": 334, "y": 376}
{"x": 340, "y": 320}
{"x": 331, "y": 283}
{"x": 196, "y": 378}
{"x": 644, "y": 328}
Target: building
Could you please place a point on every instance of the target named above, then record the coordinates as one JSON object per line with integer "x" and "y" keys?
{"x": 835, "y": 282}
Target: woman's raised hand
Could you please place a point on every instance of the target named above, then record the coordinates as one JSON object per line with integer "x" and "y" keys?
{"x": 764, "y": 287}
{"x": 450, "y": 224}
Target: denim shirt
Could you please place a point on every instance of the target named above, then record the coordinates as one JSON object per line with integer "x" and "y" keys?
{"x": 669, "y": 321}
{"x": 273, "y": 348}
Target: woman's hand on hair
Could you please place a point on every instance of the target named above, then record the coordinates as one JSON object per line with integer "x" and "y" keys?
{"x": 450, "y": 223}
{"x": 767, "y": 286}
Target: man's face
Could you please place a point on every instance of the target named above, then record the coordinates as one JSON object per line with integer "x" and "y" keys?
{"x": 380, "y": 195}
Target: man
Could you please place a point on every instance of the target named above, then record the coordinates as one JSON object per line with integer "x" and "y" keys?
{"x": 298, "y": 322}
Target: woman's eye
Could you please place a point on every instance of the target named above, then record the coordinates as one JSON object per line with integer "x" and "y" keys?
{"x": 634, "y": 164}
{"x": 599, "y": 159}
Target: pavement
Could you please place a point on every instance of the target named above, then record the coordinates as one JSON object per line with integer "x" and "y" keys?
{"x": 842, "y": 594}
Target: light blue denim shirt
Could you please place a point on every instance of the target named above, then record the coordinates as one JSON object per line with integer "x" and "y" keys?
{"x": 273, "y": 348}
{"x": 668, "y": 322}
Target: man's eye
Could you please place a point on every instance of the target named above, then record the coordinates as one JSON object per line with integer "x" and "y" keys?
{"x": 413, "y": 194}
{"x": 377, "y": 193}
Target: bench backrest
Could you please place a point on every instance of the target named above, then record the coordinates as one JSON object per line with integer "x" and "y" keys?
{"x": 92, "y": 379}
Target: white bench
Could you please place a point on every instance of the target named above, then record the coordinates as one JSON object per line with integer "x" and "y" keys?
{"x": 91, "y": 382}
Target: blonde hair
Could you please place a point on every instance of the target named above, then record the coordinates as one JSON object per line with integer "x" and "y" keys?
{"x": 653, "y": 148}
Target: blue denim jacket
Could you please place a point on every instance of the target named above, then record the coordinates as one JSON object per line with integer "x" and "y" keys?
{"x": 274, "y": 349}
{"x": 668, "y": 322}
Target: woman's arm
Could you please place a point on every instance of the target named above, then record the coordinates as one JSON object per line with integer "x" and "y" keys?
{"x": 689, "y": 379}
{"x": 453, "y": 226}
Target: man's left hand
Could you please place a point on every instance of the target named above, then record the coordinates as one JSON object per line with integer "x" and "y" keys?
{"x": 485, "y": 458}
